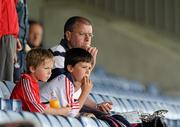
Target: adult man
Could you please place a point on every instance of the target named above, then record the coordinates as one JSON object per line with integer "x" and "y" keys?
{"x": 30, "y": 35}
{"x": 35, "y": 34}
{"x": 78, "y": 33}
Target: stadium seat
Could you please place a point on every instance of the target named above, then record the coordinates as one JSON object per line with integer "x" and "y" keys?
{"x": 43, "y": 119}
{"x": 123, "y": 107}
{"x": 63, "y": 121}
{"x": 97, "y": 98}
{"x": 54, "y": 121}
{"x": 88, "y": 122}
{"x": 101, "y": 123}
{"x": 74, "y": 122}
{"x": 4, "y": 117}
{"x": 14, "y": 116}
{"x": 127, "y": 104}
{"x": 28, "y": 116}
{"x": 10, "y": 85}
{"x": 4, "y": 91}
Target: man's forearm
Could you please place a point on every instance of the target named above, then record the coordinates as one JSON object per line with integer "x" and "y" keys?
{"x": 90, "y": 103}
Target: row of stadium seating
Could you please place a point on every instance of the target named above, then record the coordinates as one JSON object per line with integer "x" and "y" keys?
{"x": 43, "y": 120}
{"x": 106, "y": 88}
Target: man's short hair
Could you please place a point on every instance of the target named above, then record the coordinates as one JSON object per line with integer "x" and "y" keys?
{"x": 72, "y": 20}
{"x": 36, "y": 57}
{"x": 76, "y": 55}
{"x": 33, "y": 22}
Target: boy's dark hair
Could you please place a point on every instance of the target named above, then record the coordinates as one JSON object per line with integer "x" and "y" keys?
{"x": 72, "y": 20}
{"x": 36, "y": 57}
{"x": 76, "y": 55}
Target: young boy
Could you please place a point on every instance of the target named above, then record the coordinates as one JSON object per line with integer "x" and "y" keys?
{"x": 39, "y": 64}
{"x": 78, "y": 65}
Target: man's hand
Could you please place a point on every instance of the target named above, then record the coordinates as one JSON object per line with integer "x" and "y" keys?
{"x": 19, "y": 46}
{"x": 93, "y": 51}
{"x": 105, "y": 106}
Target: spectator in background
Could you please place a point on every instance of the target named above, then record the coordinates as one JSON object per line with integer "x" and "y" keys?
{"x": 22, "y": 11}
{"x": 30, "y": 35}
{"x": 9, "y": 42}
{"x": 78, "y": 33}
{"x": 35, "y": 34}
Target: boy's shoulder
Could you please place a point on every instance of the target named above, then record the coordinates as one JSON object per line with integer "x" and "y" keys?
{"x": 27, "y": 78}
{"x": 62, "y": 78}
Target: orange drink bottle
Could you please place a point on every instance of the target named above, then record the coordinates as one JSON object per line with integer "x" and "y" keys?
{"x": 54, "y": 101}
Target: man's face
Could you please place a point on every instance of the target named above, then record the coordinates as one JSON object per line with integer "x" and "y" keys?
{"x": 80, "y": 36}
{"x": 35, "y": 35}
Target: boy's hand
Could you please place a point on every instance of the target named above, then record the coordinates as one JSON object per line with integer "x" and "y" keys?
{"x": 19, "y": 46}
{"x": 86, "y": 84}
{"x": 65, "y": 110}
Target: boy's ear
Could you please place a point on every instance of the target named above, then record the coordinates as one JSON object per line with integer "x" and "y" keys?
{"x": 32, "y": 69}
{"x": 68, "y": 35}
{"x": 70, "y": 68}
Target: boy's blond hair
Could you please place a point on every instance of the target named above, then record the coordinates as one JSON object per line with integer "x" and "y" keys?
{"x": 36, "y": 57}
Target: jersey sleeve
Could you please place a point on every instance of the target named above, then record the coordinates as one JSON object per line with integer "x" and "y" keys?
{"x": 32, "y": 97}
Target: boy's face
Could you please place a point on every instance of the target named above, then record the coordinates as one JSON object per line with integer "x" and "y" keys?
{"x": 80, "y": 70}
{"x": 43, "y": 71}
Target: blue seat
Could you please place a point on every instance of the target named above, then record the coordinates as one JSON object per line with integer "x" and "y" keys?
{"x": 43, "y": 119}
{"x": 10, "y": 85}
{"x": 91, "y": 96}
{"x": 63, "y": 121}
{"x": 128, "y": 106}
{"x": 14, "y": 116}
{"x": 141, "y": 106}
{"x": 172, "y": 123}
{"x": 4, "y": 117}
{"x": 101, "y": 123}
{"x": 137, "y": 106}
{"x": 123, "y": 107}
{"x": 97, "y": 98}
{"x": 54, "y": 121}
{"x": 74, "y": 122}
{"x": 4, "y": 91}
{"x": 88, "y": 122}
{"x": 148, "y": 106}
{"x": 178, "y": 122}
{"x": 28, "y": 116}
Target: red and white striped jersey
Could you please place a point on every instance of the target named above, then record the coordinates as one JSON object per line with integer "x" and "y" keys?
{"x": 27, "y": 90}
{"x": 63, "y": 86}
